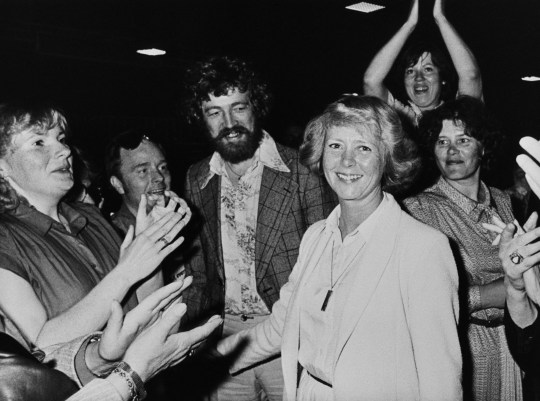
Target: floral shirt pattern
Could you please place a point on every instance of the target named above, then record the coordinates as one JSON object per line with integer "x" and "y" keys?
{"x": 239, "y": 206}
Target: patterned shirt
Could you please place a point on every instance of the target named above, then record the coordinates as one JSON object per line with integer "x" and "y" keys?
{"x": 238, "y": 218}
{"x": 460, "y": 218}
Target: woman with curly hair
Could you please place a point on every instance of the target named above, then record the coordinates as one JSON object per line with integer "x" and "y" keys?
{"x": 425, "y": 71}
{"x": 370, "y": 308}
{"x": 461, "y": 137}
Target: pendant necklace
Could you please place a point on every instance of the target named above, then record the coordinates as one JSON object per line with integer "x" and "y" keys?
{"x": 332, "y": 283}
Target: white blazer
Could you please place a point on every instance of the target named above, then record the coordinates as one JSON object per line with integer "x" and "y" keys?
{"x": 397, "y": 337}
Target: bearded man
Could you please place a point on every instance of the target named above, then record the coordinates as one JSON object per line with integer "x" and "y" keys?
{"x": 255, "y": 201}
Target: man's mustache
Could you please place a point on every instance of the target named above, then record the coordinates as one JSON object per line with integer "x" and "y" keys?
{"x": 237, "y": 129}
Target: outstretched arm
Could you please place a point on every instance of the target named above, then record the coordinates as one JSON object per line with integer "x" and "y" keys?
{"x": 140, "y": 257}
{"x": 383, "y": 61}
{"x": 144, "y": 339}
{"x": 470, "y": 80}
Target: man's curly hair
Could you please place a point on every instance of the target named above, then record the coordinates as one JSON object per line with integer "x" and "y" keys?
{"x": 217, "y": 76}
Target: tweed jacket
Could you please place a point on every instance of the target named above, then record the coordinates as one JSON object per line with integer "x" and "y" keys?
{"x": 289, "y": 202}
{"x": 397, "y": 334}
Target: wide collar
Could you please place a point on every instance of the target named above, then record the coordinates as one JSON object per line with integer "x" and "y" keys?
{"x": 43, "y": 223}
{"x": 469, "y": 206}
{"x": 267, "y": 154}
{"x": 364, "y": 230}
{"x": 278, "y": 188}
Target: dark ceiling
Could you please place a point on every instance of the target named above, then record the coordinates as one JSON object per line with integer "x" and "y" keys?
{"x": 83, "y": 54}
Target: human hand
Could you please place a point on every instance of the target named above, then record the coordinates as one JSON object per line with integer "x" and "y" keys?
{"x": 531, "y": 168}
{"x": 155, "y": 349}
{"x": 141, "y": 255}
{"x": 497, "y": 226}
{"x": 161, "y": 205}
{"x": 121, "y": 331}
{"x": 521, "y": 277}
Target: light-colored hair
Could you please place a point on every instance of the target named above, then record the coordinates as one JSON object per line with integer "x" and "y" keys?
{"x": 15, "y": 118}
{"x": 365, "y": 114}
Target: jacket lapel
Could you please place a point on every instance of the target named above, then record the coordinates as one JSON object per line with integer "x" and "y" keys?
{"x": 290, "y": 344}
{"x": 275, "y": 198}
{"x": 211, "y": 209}
{"x": 378, "y": 252}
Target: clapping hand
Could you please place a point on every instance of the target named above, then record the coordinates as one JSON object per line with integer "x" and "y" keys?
{"x": 520, "y": 255}
{"x": 141, "y": 255}
{"x": 169, "y": 202}
{"x": 156, "y": 349}
{"x": 531, "y": 168}
{"x": 497, "y": 226}
{"x": 121, "y": 331}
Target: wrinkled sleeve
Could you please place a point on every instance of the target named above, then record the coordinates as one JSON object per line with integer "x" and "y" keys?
{"x": 64, "y": 358}
{"x": 97, "y": 390}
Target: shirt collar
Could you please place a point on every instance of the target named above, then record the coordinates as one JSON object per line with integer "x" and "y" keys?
{"x": 469, "y": 206}
{"x": 267, "y": 154}
{"x": 366, "y": 228}
{"x": 43, "y": 223}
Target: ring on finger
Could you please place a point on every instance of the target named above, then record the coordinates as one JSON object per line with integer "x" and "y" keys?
{"x": 164, "y": 240}
{"x": 516, "y": 258}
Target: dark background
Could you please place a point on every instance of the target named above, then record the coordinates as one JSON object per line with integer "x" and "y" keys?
{"x": 82, "y": 54}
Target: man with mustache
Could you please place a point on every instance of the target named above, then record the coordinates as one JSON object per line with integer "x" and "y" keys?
{"x": 255, "y": 202}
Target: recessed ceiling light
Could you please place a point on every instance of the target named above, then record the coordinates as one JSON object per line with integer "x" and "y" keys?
{"x": 364, "y": 7}
{"x": 531, "y": 79}
{"x": 152, "y": 52}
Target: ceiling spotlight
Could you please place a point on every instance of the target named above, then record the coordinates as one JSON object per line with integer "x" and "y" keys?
{"x": 531, "y": 79}
{"x": 152, "y": 52}
{"x": 364, "y": 7}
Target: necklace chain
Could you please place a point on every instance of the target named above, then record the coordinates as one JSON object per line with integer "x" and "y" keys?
{"x": 338, "y": 280}
{"x": 232, "y": 171}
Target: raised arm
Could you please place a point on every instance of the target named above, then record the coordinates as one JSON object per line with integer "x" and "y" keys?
{"x": 383, "y": 61}
{"x": 470, "y": 79}
{"x": 140, "y": 257}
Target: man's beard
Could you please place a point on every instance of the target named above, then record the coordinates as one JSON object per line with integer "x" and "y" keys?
{"x": 237, "y": 151}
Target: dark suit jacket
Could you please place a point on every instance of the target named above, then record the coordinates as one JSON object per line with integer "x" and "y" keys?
{"x": 288, "y": 204}
{"x": 524, "y": 345}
